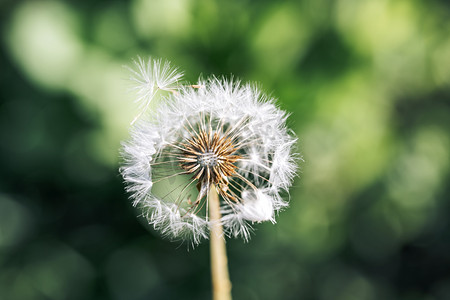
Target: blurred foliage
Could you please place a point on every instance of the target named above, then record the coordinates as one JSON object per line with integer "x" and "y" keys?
{"x": 367, "y": 83}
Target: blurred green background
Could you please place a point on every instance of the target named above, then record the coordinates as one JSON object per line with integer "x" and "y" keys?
{"x": 368, "y": 86}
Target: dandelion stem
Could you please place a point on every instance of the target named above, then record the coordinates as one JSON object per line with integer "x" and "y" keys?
{"x": 219, "y": 263}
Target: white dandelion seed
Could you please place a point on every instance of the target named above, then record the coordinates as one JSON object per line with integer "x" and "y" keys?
{"x": 150, "y": 77}
{"x": 223, "y": 135}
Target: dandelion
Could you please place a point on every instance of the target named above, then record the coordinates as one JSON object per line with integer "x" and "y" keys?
{"x": 223, "y": 135}
{"x": 218, "y": 143}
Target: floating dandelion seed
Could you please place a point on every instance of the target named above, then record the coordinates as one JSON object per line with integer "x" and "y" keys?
{"x": 150, "y": 77}
{"x": 217, "y": 134}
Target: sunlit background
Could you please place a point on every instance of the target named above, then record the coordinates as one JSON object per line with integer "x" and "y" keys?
{"x": 367, "y": 83}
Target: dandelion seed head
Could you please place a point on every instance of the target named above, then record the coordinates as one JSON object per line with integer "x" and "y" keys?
{"x": 220, "y": 134}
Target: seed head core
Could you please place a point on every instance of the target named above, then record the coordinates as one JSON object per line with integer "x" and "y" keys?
{"x": 209, "y": 157}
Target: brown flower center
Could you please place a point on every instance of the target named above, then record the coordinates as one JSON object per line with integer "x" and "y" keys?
{"x": 210, "y": 158}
